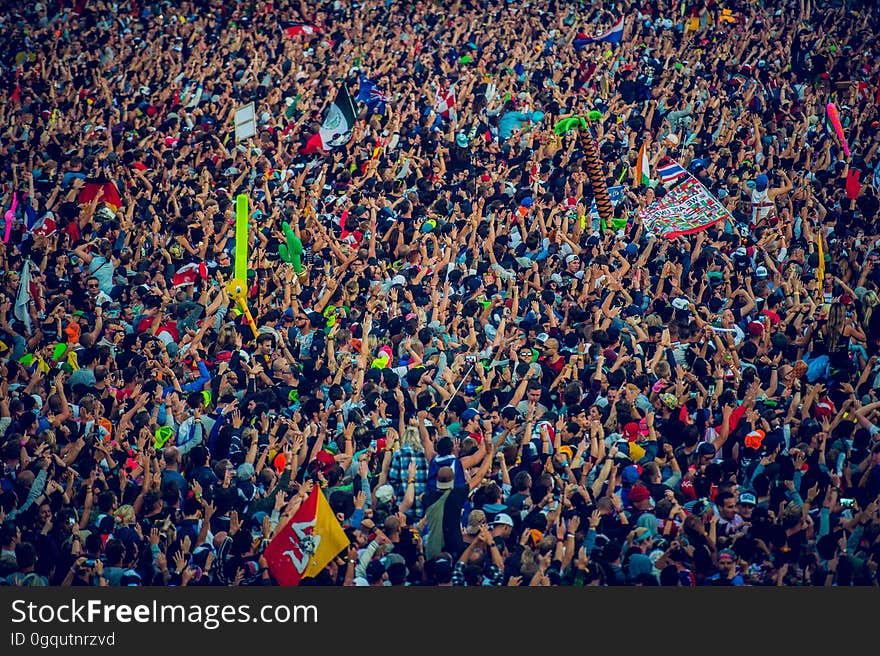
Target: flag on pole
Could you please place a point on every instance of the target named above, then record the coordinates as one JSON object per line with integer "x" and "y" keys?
{"x": 669, "y": 170}
{"x": 336, "y": 128}
{"x": 310, "y": 540}
{"x": 820, "y": 270}
{"x": 613, "y": 35}
{"x": 369, "y": 94}
{"x": 339, "y": 121}
{"x": 23, "y": 297}
{"x": 643, "y": 167}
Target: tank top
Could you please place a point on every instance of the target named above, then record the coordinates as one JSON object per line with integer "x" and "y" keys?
{"x": 762, "y": 206}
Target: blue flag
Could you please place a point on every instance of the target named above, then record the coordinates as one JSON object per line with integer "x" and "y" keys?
{"x": 369, "y": 94}
{"x": 615, "y": 195}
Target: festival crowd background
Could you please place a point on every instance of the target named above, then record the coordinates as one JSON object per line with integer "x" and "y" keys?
{"x": 488, "y": 384}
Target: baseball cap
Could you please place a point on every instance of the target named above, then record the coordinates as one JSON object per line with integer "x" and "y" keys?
{"x": 755, "y": 328}
{"x": 630, "y": 474}
{"x": 680, "y": 303}
{"x": 747, "y": 499}
{"x": 384, "y": 493}
{"x": 245, "y": 471}
{"x": 375, "y": 570}
{"x": 468, "y": 414}
{"x": 631, "y": 431}
{"x": 761, "y": 272}
{"x": 502, "y": 519}
{"x": 445, "y": 478}
{"x": 706, "y": 449}
{"x": 727, "y": 554}
{"x": 639, "y": 493}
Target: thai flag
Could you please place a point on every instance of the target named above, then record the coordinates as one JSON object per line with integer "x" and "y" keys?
{"x": 613, "y": 35}
{"x": 670, "y": 171}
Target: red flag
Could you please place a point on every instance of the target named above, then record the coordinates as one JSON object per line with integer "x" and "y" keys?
{"x": 853, "y": 184}
{"x": 186, "y": 275}
{"x": 90, "y": 189}
{"x": 307, "y": 543}
{"x": 444, "y": 102}
{"x": 306, "y": 29}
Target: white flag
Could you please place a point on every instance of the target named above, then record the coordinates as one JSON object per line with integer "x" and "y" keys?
{"x": 23, "y": 297}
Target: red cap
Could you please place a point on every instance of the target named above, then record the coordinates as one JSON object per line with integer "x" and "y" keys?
{"x": 631, "y": 431}
{"x": 325, "y": 459}
{"x": 638, "y": 493}
{"x": 755, "y": 328}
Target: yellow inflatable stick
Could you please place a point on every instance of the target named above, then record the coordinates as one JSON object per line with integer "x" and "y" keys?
{"x": 237, "y": 291}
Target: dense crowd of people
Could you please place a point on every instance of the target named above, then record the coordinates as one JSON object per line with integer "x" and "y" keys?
{"x": 490, "y": 385}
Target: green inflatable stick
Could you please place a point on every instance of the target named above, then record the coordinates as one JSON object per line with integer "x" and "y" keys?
{"x": 241, "y": 236}
{"x": 568, "y": 124}
{"x": 291, "y": 251}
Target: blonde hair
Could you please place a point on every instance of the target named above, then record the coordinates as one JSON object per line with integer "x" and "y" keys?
{"x": 637, "y": 534}
{"x": 47, "y": 436}
{"x": 869, "y": 301}
{"x": 124, "y": 514}
{"x": 411, "y": 437}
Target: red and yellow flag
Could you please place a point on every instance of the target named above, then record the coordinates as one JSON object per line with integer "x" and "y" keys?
{"x": 310, "y": 540}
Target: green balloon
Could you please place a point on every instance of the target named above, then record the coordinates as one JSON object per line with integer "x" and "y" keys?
{"x": 292, "y": 250}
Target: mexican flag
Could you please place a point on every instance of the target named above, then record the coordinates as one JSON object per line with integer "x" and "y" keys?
{"x": 310, "y": 540}
{"x": 337, "y": 125}
{"x": 336, "y": 128}
{"x": 643, "y": 168}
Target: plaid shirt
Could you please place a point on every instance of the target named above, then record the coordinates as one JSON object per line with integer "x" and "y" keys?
{"x": 397, "y": 476}
{"x": 492, "y": 575}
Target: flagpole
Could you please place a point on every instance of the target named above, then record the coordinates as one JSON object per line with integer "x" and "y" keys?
{"x": 463, "y": 378}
